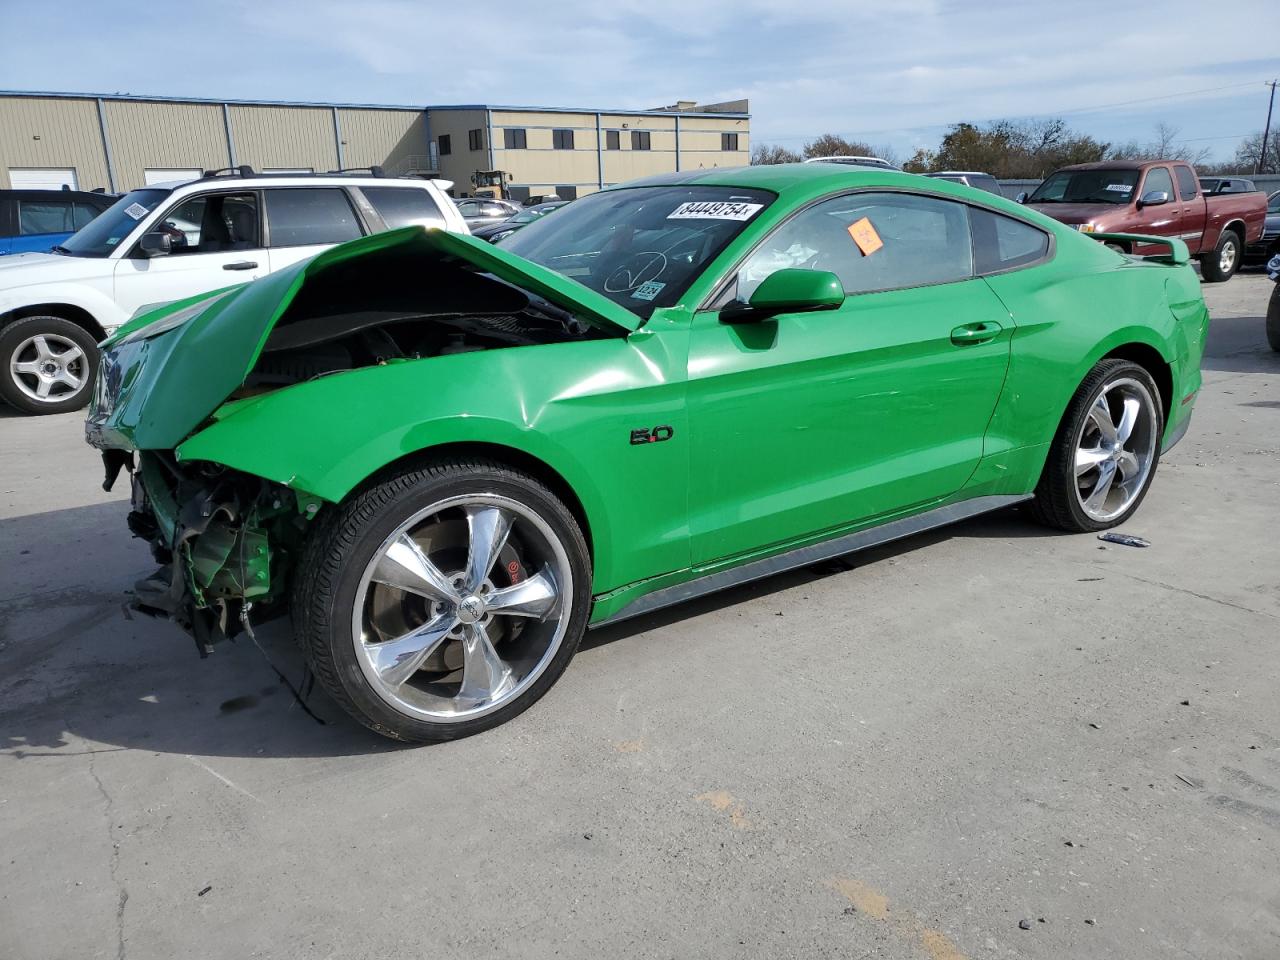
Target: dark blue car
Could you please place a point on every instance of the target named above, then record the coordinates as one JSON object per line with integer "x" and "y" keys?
{"x": 32, "y": 221}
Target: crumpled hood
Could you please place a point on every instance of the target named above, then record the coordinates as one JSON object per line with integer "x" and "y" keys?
{"x": 24, "y": 269}
{"x": 154, "y": 391}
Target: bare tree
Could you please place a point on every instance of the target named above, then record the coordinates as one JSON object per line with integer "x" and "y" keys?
{"x": 772, "y": 153}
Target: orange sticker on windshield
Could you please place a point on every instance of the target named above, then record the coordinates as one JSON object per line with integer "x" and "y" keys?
{"x": 865, "y": 236}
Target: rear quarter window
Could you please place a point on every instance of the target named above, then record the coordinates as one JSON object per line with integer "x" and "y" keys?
{"x": 404, "y": 206}
{"x": 1002, "y": 243}
{"x": 305, "y": 216}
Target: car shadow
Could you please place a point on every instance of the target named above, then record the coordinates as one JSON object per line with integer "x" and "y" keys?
{"x": 78, "y": 675}
{"x": 1239, "y": 345}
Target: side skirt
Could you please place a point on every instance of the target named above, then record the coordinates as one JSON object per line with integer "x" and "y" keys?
{"x": 813, "y": 553}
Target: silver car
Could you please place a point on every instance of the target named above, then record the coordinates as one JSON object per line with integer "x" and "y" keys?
{"x": 483, "y": 211}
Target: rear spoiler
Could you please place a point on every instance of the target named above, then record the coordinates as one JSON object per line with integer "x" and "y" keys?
{"x": 1178, "y": 252}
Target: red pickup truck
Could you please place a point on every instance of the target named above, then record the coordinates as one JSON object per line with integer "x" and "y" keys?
{"x": 1160, "y": 197}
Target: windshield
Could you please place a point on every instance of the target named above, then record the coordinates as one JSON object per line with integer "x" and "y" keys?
{"x": 105, "y": 232}
{"x": 640, "y": 246}
{"x": 1087, "y": 186}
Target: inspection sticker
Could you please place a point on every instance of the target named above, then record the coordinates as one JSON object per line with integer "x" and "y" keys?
{"x": 1120, "y": 187}
{"x": 865, "y": 236}
{"x": 647, "y": 291}
{"x": 715, "y": 210}
{"x": 136, "y": 210}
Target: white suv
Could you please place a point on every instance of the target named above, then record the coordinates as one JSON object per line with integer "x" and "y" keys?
{"x": 173, "y": 240}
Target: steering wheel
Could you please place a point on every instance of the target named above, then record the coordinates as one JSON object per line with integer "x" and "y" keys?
{"x": 635, "y": 270}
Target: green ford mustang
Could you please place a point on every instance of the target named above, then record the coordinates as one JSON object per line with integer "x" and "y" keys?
{"x": 446, "y": 460}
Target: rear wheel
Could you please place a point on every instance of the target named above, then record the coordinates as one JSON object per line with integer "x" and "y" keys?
{"x": 1222, "y": 263}
{"x": 48, "y": 365}
{"x": 443, "y": 601}
{"x": 1105, "y": 454}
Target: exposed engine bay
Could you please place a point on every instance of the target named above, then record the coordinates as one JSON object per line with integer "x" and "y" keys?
{"x": 375, "y": 310}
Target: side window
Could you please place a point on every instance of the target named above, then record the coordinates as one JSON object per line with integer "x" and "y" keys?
{"x": 212, "y": 224}
{"x": 613, "y": 139}
{"x": 1187, "y": 186}
{"x": 640, "y": 140}
{"x": 82, "y": 213}
{"x": 1003, "y": 243}
{"x": 303, "y": 216}
{"x": 403, "y": 206}
{"x": 43, "y": 216}
{"x": 444, "y": 144}
{"x": 513, "y": 138}
{"x": 562, "y": 139}
{"x": 1158, "y": 179}
{"x": 924, "y": 241}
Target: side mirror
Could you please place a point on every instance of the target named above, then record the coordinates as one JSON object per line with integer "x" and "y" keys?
{"x": 155, "y": 244}
{"x": 793, "y": 290}
{"x": 1153, "y": 198}
{"x": 1021, "y": 197}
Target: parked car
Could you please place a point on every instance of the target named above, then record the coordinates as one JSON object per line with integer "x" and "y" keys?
{"x": 1212, "y": 186}
{"x": 854, "y": 161}
{"x": 484, "y": 212}
{"x": 1268, "y": 245}
{"x": 447, "y": 458}
{"x": 540, "y": 198}
{"x": 499, "y": 231}
{"x": 1273, "y": 305}
{"x": 1125, "y": 197}
{"x": 979, "y": 181}
{"x": 38, "y": 220}
{"x": 174, "y": 240}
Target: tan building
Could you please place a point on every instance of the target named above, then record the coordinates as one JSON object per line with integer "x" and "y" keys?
{"x": 119, "y": 142}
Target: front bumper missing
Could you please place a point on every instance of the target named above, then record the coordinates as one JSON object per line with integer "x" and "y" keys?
{"x": 212, "y": 531}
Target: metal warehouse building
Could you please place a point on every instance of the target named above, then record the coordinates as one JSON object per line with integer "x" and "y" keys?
{"x": 119, "y": 142}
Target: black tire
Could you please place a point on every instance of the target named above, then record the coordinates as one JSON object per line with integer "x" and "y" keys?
{"x": 1211, "y": 268}
{"x": 16, "y": 345}
{"x": 1273, "y": 319}
{"x": 1056, "y": 503}
{"x": 344, "y": 542}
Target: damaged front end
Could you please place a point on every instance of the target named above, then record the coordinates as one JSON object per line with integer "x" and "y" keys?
{"x": 225, "y": 541}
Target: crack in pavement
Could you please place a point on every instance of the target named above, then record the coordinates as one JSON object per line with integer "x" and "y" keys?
{"x": 1201, "y": 596}
{"x": 123, "y": 899}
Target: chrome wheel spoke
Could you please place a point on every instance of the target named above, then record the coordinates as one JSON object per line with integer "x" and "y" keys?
{"x": 1098, "y": 497}
{"x": 1100, "y": 417}
{"x": 42, "y": 347}
{"x": 1129, "y": 413}
{"x": 489, "y": 528}
{"x": 1090, "y": 458}
{"x": 70, "y": 355}
{"x": 485, "y": 676}
{"x": 404, "y": 566}
{"x": 67, "y": 377}
{"x": 43, "y": 388}
{"x": 397, "y": 660}
{"x": 29, "y": 367}
{"x": 534, "y": 597}
{"x": 1129, "y": 466}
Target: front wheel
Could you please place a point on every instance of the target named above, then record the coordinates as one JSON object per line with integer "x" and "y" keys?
{"x": 49, "y": 365}
{"x": 1273, "y": 319}
{"x": 1221, "y": 265}
{"x": 444, "y": 600}
{"x": 1105, "y": 453}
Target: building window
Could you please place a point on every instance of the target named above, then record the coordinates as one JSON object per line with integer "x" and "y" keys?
{"x": 446, "y": 145}
{"x": 639, "y": 139}
{"x": 513, "y": 138}
{"x": 475, "y": 139}
{"x": 562, "y": 139}
{"x": 613, "y": 140}
{"x": 728, "y": 141}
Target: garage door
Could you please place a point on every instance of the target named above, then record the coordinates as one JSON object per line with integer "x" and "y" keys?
{"x": 165, "y": 174}
{"x": 42, "y": 178}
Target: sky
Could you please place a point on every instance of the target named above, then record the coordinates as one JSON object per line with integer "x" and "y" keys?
{"x": 893, "y": 72}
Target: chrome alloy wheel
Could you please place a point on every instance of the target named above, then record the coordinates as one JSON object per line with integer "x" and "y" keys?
{"x": 48, "y": 367}
{"x": 462, "y": 608}
{"x": 1115, "y": 449}
{"x": 1227, "y": 255}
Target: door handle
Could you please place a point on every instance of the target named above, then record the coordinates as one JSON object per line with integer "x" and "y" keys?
{"x": 971, "y": 333}
{"x": 241, "y": 265}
